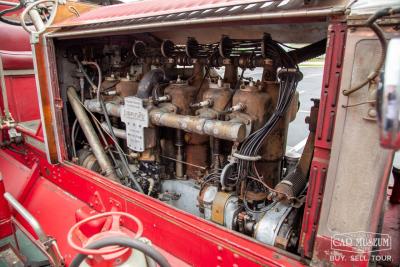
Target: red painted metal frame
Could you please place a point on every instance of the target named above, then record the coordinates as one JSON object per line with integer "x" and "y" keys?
{"x": 54, "y": 193}
{"x": 324, "y": 135}
{"x": 5, "y": 215}
{"x": 142, "y": 9}
{"x": 324, "y": 253}
{"x": 62, "y": 189}
{"x": 21, "y": 97}
{"x": 16, "y": 54}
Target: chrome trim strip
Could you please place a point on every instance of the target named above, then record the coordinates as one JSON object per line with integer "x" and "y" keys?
{"x": 19, "y": 72}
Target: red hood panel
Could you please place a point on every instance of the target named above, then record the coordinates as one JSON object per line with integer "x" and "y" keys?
{"x": 151, "y": 8}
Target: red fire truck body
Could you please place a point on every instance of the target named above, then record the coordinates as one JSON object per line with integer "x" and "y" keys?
{"x": 50, "y": 190}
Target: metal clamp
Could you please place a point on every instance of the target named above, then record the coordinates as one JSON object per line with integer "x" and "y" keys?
{"x": 247, "y": 158}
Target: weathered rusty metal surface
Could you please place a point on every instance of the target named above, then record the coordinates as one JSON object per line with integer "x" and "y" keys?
{"x": 196, "y": 155}
{"x": 233, "y": 131}
{"x": 127, "y": 87}
{"x": 257, "y": 104}
{"x": 72, "y": 9}
{"x": 220, "y": 96}
{"x": 182, "y": 95}
{"x": 197, "y": 79}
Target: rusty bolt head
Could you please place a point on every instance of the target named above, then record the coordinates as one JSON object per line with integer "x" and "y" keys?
{"x": 372, "y": 112}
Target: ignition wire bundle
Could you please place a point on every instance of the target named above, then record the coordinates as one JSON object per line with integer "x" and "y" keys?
{"x": 289, "y": 76}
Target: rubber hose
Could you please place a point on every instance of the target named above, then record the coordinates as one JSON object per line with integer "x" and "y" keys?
{"x": 308, "y": 52}
{"x": 148, "y": 82}
{"x": 123, "y": 242}
{"x": 298, "y": 181}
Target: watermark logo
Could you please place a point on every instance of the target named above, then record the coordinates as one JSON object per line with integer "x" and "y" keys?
{"x": 361, "y": 242}
{"x": 357, "y": 246}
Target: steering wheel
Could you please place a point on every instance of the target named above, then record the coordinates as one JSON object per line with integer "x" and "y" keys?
{"x": 48, "y": 22}
{"x": 113, "y": 239}
{"x": 115, "y": 230}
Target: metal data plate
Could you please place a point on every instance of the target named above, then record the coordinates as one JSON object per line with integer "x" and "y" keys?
{"x": 136, "y": 117}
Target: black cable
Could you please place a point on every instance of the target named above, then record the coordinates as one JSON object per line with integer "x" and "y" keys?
{"x": 289, "y": 77}
{"x": 202, "y": 80}
{"x": 121, "y": 155}
{"x": 103, "y": 107}
{"x": 123, "y": 242}
{"x": 238, "y": 81}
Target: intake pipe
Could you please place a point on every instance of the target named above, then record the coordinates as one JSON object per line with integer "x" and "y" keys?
{"x": 91, "y": 136}
{"x": 227, "y": 130}
{"x": 120, "y": 133}
{"x": 112, "y": 109}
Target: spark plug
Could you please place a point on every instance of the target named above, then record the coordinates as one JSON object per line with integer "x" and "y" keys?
{"x": 164, "y": 98}
{"x": 110, "y": 93}
{"x": 205, "y": 103}
{"x": 238, "y": 107}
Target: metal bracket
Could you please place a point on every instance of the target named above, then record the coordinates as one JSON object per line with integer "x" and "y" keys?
{"x": 34, "y": 38}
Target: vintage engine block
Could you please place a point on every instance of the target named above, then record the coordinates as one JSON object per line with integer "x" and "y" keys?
{"x": 165, "y": 121}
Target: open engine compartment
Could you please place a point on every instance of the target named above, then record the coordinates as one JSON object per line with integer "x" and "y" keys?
{"x": 184, "y": 125}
